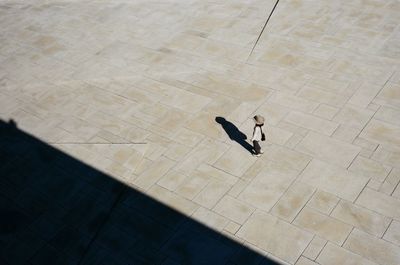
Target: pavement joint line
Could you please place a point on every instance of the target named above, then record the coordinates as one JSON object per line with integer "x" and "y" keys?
{"x": 265, "y": 25}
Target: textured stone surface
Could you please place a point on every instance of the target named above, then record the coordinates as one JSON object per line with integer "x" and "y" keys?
{"x": 277, "y": 237}
{"x": 135, "y": 89}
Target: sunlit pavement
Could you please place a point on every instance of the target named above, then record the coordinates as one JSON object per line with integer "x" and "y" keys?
{"x": 133, "y": 89}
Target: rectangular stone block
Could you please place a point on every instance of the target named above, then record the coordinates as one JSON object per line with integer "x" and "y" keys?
{"x": 393, "y": 233}
{"x": 323, "y": 225}
{"x": 353, "y": 117}
{"x": 382, "y": 133}
{"x": 271, "y": 234}
{"x": 361, "y": 218}
{"x": 372, "y": 248}
{"x": 292, "y": 159}
{"x": 233, "y": 209}
{"x": 314, "y": 248}
{"x": 333, "y": 255}
{"x": 311, "y": 122}
{"x": 172, "y": 200}
{"x": 268, "y": 186}
{"x": 154, "y": 173}
{"x": 328, "y": 149}
{"x": 235, "y": 161}
{"x": 293, "y": 102}
{"x": 290, "y": 204}
{"x": 364, "y": 95}
{"x": 210, "y": 219}
{"x": 323, "y": 201}
{"x": 369, "y": 168}
{"x": 212, "y": 193}
{"x": 337, "y": 181}
{"x": 380, "y": 203}
{"x": 322, "y": 96}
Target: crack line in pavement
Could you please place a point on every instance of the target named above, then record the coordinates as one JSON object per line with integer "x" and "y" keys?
{"x": 265, "y": 25}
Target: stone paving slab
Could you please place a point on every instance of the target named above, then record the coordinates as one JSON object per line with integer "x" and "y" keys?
{"x": 135, "y": 88}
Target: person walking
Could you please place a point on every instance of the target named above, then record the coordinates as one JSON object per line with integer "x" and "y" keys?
{"x": 258, "y": 134}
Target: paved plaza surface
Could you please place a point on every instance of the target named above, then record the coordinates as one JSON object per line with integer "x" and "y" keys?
{"x": 154, "y": 94}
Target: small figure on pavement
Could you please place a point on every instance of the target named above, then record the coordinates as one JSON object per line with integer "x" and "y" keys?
{"x": 258, "y": 134}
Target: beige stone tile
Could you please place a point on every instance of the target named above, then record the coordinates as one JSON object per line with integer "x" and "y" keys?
{"x": 323, "y": 201}
{"x": 323, "y": 225}
{"x": 374, "y": 184}
{"x": 391, "y": 182}
{"x": 221, "y": 105}
{"x": 172, "y": 180}
{"x": 369, "y": 168}
{"x": 383, "y": 133}
{"x": 235, "y": 161}
{"x": 232, "y": 227}
{"x": 293, "y": 128}
{"x": 390, "y": 95}
{"x": 333, "y": 179}
{"x": 205, "y": 124}
{"x": 388, "y": 114}
{"x": 365, "y": 144}
{"x": 314, "y": 248}
{"x": 208, "y": 151}
{"x": 271, "y": 234}
{"x": 325, "y": 111}
{"x": 305, "y": 261}
{"x": 243, "y": 112}
{"x": 154, "y": 173}
{"x": 373, "y": 248}
{"x": 184, "y": 100}
{"x": 346, "y": 134}
{"x": 292, "y": 159}
{"x": 293, "y": 102}
{"x": 291, "y": 203}
{"x": 333, "y": 254}
{"x": 188, "y": 137}
{"x": 276, "y": 135}
{"x": 212, "y": 193}
{"x": 268, "y": 186}
{"x": 353, "y": 117}
{"x": 177, "y": 152}
{"x": 391, "y": 158}
{"x": 329, "y": 85}
{"x": 172, "y": 200}
{"x": 210, "y": 219}
{"x": 380, "y": 203}
{"x": 273, "y": 112}
{"x": 169, "y": 123}
{"x": 364, "y": 95}
{"x": 227, "y": 86}
{"x": 373, "y": 106}
{"x": 192, "y": 185}
{"x": 239, "y": 186}
{"x": 311, "y": 122}
{"x": 322, "y": 96}
{"x": 234, "y": 209}
{"x": 294, "y": 140}
{"x": 393, "y": 233}
{"x": 217, "y": 174}
{"x": 361, "y": 218}
{"x": 328, "y": 149}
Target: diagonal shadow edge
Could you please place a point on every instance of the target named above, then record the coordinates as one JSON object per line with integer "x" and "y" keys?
{"x": 57, "y": 210}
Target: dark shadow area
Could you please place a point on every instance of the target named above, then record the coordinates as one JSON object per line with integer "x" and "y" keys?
{"x": 57, "y": 210}
{"x": 234, "y": 133}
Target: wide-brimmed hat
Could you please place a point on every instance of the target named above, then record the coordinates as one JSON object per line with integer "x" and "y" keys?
{"x": 259, "y": 119}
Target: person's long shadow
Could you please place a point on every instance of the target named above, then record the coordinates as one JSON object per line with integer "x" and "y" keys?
{"x": 234, "y": 133}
